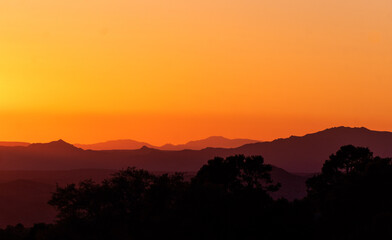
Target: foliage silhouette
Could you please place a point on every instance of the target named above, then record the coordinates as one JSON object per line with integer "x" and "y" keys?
{"x": 352, "y": 195}
{"x": 227, "y": 199}
{"x": 237, "y": 173}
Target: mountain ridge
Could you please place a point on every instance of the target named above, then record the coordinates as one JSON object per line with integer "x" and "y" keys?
{"x": 59, "y": 145}
{"x": 304, "y": 154}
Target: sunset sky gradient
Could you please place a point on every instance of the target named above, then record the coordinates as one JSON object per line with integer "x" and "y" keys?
{"x": 175, "y": 70}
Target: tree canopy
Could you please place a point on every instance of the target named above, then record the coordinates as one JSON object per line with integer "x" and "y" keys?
{"x": 227, "y": 199}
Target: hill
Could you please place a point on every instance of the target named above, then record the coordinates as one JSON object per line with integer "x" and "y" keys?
{"x": 307, "y": 153}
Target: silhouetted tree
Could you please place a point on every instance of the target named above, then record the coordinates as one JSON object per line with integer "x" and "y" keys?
{"x": 227, "y": 199}
{"x": 121, "y": 207}
{"x": 237, "y": 173}
{"x": 353, "y": 191}
{"x": 230, "y": 197}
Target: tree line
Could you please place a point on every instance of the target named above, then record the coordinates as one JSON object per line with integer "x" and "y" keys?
{"x": 229, "y": 198}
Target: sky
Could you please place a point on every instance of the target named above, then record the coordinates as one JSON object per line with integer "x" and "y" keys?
{"x": 173, "y": 71}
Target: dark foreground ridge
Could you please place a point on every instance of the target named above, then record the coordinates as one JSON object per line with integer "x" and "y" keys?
{"x": 228, "y": 198}
{"x": 24, "y": 194}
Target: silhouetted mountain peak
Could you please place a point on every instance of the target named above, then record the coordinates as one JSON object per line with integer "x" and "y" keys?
{"x": 60, "y": 141}
{"x": 59, "y": 145}
{"x": 146, "y": 150}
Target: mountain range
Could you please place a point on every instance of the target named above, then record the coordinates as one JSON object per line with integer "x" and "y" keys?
{"x": 294, "y": 154}
{"x": 29, "y": 172}
{"x": 127, "y": 144}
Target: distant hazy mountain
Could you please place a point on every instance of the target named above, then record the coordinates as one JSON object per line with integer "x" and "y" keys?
{"x": 292, "y": 186}
{"x": 214, "y": 142}
{"x": 127, "y": 144}
{"x": 294, "y": 154}
{"x": 14, "y": 144}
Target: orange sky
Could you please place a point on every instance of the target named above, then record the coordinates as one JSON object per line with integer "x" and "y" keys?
{"x": 172, "y": 71}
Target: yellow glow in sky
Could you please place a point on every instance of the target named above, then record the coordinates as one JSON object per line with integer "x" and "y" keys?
{"x": 171, "y": 71}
